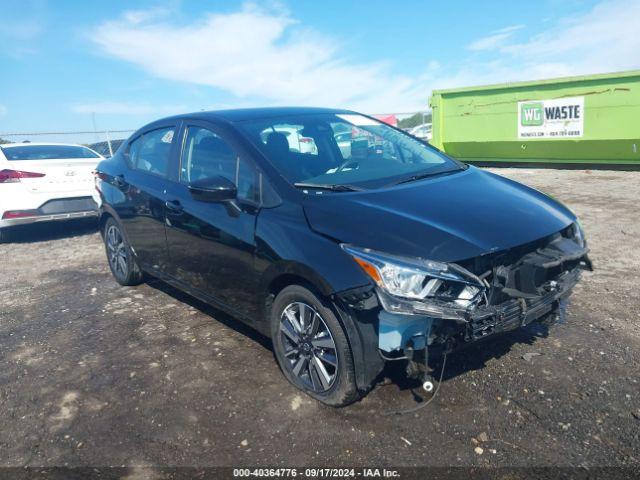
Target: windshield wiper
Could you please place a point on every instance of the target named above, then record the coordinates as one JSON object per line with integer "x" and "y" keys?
{"x": 334, "y": 187}
{"x": 420, "y": 176}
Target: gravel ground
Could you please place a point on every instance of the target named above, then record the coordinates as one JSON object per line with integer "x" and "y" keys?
{"x": 92, "y": 373}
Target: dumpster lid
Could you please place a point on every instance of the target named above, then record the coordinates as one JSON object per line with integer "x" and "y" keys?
{"x": 532, "y": 83}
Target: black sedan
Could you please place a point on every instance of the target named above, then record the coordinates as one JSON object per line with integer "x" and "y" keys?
{"x": 388, "y": 250}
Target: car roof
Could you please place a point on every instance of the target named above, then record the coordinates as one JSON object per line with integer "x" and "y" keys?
{"x": 243, "y": 114}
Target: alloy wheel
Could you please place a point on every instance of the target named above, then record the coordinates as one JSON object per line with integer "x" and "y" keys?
{"x": 117, "y": 251}
{"x": 309, "y": 347}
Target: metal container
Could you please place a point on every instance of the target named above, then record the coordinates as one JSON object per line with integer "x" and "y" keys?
{"x": 586, "y": 119}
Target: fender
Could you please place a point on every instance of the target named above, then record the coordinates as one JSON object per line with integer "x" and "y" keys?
{"x": 297, "y": 269}
{"x": 107, "y": 210}
{"x": 362, "y": 336}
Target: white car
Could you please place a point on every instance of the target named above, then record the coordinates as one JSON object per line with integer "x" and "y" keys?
{"x": 45, "y": 181}
{"x": 297, "y": 142}
{"x": 423, "y": 132}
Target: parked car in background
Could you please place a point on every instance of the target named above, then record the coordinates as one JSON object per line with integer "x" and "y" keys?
{"x": 354, "y": 141}
{"x": 423, "y": 132}
{"x": 297, "y": 141}
{"x": 42, "y": 182}
{"x": 390, "y": 252}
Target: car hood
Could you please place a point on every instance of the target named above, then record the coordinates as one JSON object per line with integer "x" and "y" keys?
{"x": 447, "y": 218}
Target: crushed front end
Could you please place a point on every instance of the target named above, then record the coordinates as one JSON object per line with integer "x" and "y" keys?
{"x": 430, "y": 305}
{"x": 522, "y": 285}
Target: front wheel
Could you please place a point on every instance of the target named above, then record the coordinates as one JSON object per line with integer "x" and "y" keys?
{"x": 311, "y": 347}
{"x": 121, "y": 260}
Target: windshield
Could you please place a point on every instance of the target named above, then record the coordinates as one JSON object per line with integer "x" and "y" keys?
{"x": 343, "y": 149}
{"x": 47, "y": 152}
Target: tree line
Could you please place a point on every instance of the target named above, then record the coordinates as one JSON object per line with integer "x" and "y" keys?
{"x": 415, "y": 120}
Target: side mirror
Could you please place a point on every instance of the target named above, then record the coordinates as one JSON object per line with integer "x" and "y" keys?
{"x": 214, "y": 189}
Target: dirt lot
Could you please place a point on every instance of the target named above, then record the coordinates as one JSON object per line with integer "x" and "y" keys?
{"x": 92, "y": 373}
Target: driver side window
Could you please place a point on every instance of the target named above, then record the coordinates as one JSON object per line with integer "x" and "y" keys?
{"x": 205, "y": 155}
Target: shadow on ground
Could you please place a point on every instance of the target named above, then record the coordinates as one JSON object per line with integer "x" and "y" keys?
{"x": 40, "y": 232}
{"x": 216, "y": 314}
{"x": 458, "y": 363}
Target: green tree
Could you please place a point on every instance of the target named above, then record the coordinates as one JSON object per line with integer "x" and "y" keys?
{"x": 2, "y": 140}
{"x": 415, "y": 120}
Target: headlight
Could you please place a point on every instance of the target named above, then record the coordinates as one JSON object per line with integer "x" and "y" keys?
{"x": 418, "y": 286}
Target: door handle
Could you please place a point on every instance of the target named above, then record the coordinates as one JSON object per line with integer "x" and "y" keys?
{"x": 174, "y": 206}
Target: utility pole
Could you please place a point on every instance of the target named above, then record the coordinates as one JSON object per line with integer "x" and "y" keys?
{"x": 95, "y": 129}
{"x": 109, "y": 143}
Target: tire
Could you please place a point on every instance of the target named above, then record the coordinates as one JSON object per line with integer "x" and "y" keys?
{"x": 120, "y": 256}
{"x": 306, "y": 351}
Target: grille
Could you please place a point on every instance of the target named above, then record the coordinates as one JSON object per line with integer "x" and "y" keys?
{"x": 514, "y": 313}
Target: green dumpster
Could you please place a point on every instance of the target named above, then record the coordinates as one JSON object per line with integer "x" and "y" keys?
{"x": 585, "y": 119}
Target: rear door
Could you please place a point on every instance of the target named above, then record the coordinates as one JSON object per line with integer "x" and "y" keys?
{"x": 212, "y": 245}
{"x": 144, "y": 185}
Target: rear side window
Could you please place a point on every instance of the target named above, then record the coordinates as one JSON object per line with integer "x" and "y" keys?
{"x": 47, "y": 152}
{"x": 150, "y": 152}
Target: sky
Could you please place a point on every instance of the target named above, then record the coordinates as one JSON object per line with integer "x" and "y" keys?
{"x": 65, "y": 65}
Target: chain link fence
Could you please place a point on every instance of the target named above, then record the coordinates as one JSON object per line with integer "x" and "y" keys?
{"x": 106, "y": 142}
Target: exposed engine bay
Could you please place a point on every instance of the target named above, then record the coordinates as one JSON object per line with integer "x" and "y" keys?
{"x": 523, "y": 289}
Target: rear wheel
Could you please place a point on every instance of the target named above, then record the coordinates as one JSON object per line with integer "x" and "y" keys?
{"x": 311, "y": 347}
{"x": 121, "y": 260}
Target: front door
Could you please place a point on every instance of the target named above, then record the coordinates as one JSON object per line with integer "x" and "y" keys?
{"x": 212, "y": 244}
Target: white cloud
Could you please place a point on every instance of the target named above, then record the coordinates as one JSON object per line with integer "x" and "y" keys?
{"x": 603, "y": 39}
{"x": 135, "y": 17}
{"x": 255, "y": 53}
{"x": 494, "y": 40}
{"x": 600, "y": 40}
{"x": 124, "y": 108}
{"x": 262, "y": 56}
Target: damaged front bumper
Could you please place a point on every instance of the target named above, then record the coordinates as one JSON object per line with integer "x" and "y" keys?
{"x": 400, "y": 334}
{"x": 530, "y": 283}
{"x": 518, "y": 312}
